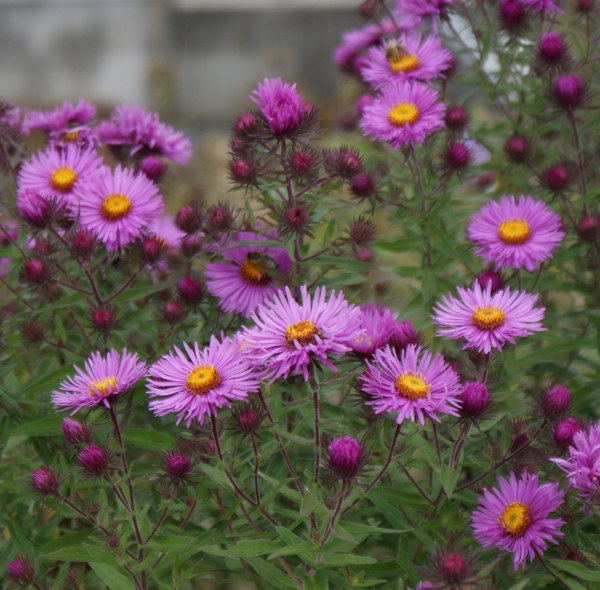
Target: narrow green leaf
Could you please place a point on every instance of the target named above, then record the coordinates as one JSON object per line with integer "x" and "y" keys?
{"x": 343, "y": 559}
{"x": 148, "y": 439}
{"x": 520, "y": 584}
{"x": 215, "y": 474}
{"x": 65, "y": 542}
{"x": 47, "y": 426}
{"x": 449, "y": 477}
{"x": 245, "y": 548}
{"x": 112, "y": 577}
{"x": 269, "y": 572}
{"x": 577, "y": 569}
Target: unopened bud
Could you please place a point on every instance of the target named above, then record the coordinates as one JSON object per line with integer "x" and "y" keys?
{"x": 219, "y": 218}
{"x": 568, "y": 91}
{"x": 189, "y": 218}
{"x": 82, "y": 244}
{"x": 453, "y": 567}
{"x": 242, "y": 171}
{"x": 489, "y": 277}
{"x": 245, "y": 125}
{"x": 93, "y": 459}
{"x": 177, "y": 466}
{"x": 564, "y": 431}
{"x": 173, "y": 311}
{"x": 33, "y": 332}
{"x": 248, "y": 420}
{"x": 75, "y": 432}
{"x": 457, "y": 156}
{"x": 456, "y": 118}
{"x": 152, "y": 167}
{"x": 344, "y": 457}
{"x": 151, "y": 249}
{"x": 587, "y": 229}
{"x": 556, "y": 400}
{"x": 20, "y": 571}
{"x": 512, "y": 14}
{"x": 190, "y": 290}
{"x": 45, "y": 481}
{"x": 362, "y": 185}
{"x": 556, "y": 177}
{"x": 103, "y": 319}
{"x": 37, "y": 271}
{"x": 474, "y": 398}
{"x": 402, "y": 335}
{"x": 517, "y": 149}
{"x": 552, "y": 48}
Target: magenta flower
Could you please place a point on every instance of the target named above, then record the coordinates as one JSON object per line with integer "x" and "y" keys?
{"x": 378, "y": 325}
{"x": 289, "y": 335}
{"x": 414, "y": 385}
{"x": 582, "y": 468}
{"x": 514, "y": 517}
{"x": 195, "y": 383}
{"x": 246, "y": 277}
{"x": 164, "y": 228}
{"x": 345, "y": 457}
{"x": 130, "y": 125}
{"x": 403, "y": 113}
{"x": 102, "y": 377}
{"x": 409, "y": 58}
{"x": 488, "y": 321}
{"x": 118, "y": 206}
{"x": 516, "y": 234}
{"x": 280, "y": 104}
{"x": 58, "y": 173}
{"x": 60, "y": 118}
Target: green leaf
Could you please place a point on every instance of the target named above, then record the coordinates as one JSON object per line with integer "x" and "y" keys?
{"x": 112, "y": 577}
{"x": 520, "y": 584}
{"x": 66, "y": 542}
{"x": 343, "y": 559}
{"x": 549, "y": 353}
{"x": 577, "y": 569}
{"x": 47, "y": 383}
{"x": 357, "y": 528}
{"x": 449, "y": 477}
{"x": 48, "y": 426}
{"x": 573, "y": 584}
{"x": 269, "y": 572}
{"x": 176, "y": 543}
{"x": 215, "y": 474}
{"x": 294, "y": 549}
{"x": 148, "y": 439}
{"x": 245, "y": 548}
{"x": 140, "y": 292}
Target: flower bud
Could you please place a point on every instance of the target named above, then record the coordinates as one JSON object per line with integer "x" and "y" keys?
{"x": 37, "y": 271}
{"x": 362, "y": 185}
{"x": 556, "y": 400}
{"x": 75, "y": 432}
{"x": 488, "y": 277}
{"x": 453, "y": 567}
{"x": 344, "y": 162}
{"x": 151, "y": 249}
{"x": 585, "y": 6}
{"x": 517, "y": 149}
{"x": 457, "y": 156}
{"x": 242, "y": 171}
{"x": 474, "y": 397}
{"x": 361, "y": 231}
{"x": 564, "y": 431}
{"x": 219, "y": 218}
{"x": 568, "y": 91}
{"x": 519, "y": 441}
{"x": 362, "y": 102}
{"x": 43, "y": 248}
{"x": 344, "y": 457}
{"x": 173, "y": 311}
{"x": 300, "y": 163}
{"x": 248, "y": 419}
{"x": 192, "y": 244}
{"x": 512, "y": 14}
{"x": 551, "y": 48}
{"x": 363, "y": 254}
{"x": 93, "y": 459}
{"x": 556, "y": 177}
{"x": 402, "y": 335}
{"x": 587, "y": 229}
{"x": 190, "y": 290}
{"x": 20, "y": 571}
{"x": 152, "y": 167}
{"x": 245, "y": 125}
{"x": 189, "y": 218}
{"x": 33, "y": 332}
{"x": 177, "y": 467}
{"x": 103, "y": 319}
{"x": 45, "y": 481}
{"x": 456, "y": 118}
{"x": 82, "y": 244}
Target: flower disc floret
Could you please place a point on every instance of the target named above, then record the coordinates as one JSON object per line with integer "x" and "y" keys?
{"x": 194, "y": 382}
{"x": 487, "y": 320}
{"x": 515, "y": 233}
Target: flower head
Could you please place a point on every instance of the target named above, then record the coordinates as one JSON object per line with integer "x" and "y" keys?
{"x": 102, "y": 377}
{"x": 514, "y": 233}
{"x": 403, "y": 113}
{"x": 409, "y": 58}
{"x": 414, "y": 385}
{"x": 45, "y": 481}
{"x": 61, "y": 117}
{"x": 197, "y": 382}
{"x": 514, "y": 517}
{"x": 488, "y": 321}
{"x": 118, "y": 206}
{"x": 378, "y": 325}
{"x": 289, "y": 335}
{"x": 247, "y": 275}
{"x": 345, "y": 457}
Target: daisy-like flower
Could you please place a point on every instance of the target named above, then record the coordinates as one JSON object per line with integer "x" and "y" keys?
{"x": 514, "y": 233}
{"x": 403, "y": 113}
{"x": 289, "y": 335}
{"x": 408, "y": 58}
{"x": 245, "y": 278}
{"x": 61, "y": 117}
{"x": 102, "y": 377}
{"x": 583, "y": 465}
{"x": 378, "y": 325}
{"x": 59, "y": 173}
{"x": 133, "y": 126}
{"x": 197, "y": 382}
{"x": 488, "y": 321}
{"x": 414, "y": 385}
{"x": 164, "y": 228}
{"x": 118, "y": 206}
{"x": 514, "y": 517}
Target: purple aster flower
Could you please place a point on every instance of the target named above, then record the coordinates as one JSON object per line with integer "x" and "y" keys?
{"x": 414, "y": 385}
{"x": 10, "y": 117}
{"x": 197, "y": 382}
{"x": 164, "y": 228}
{"x": 408, "y": 58}
{"x": 102, "y": 377}
{"x": 488, "y": 321}
{"x": 245, "y": 278}
{"x": 133, "y": 126}
{"x": 61, "y": 117}
{"x": 59, "y": 173}
{"x": 514, "y": 517}
{"x": 289, "y": 335}
{"x": 403, "y": 113}
{"x": 582, "y": 468}
{"x": 118, "y": 205}
{"x": 83, "y": 136}
{"x": 280, "y": 104}
{"x": 516, "y": 234}
{"x": 378, "y": 325}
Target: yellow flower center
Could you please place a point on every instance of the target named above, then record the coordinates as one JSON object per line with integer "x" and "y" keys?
{"x": 253, "y": 269}
{"x": 515, "y": 519}
{"x": 202, "y": 379}
{"x": 411, "y": 386}
{"x": 488, "y": 318}
{"x": 403, "y": 62}
{"x": 70, "y": 135}
{"x": 514, "y": 231}
{"x": 403, "y": 113}
{"x": 102, "y": 387}
{"x": 63, "y": 179}
{"x": 303, "y": 332}
{"x": 115, "y": 206}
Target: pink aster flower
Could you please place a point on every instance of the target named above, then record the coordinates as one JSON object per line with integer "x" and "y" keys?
{"x": 408, "y": 58}
{"x": 280, "y": 104}
{"x": 83, "y": 136}
{"x": 133, "y": 126}
{"x": 246, "y": 277}
{"x": 59, "y": 173}
{"x": 488, "y": 321}
{"x": 516, "y": 234}
{"x": 582, "y": 468}
{"x": 197, "y": 382}
{"x": 165, "y": 229}
{"x": 102, "y": 377}
{"x": 289, "y": 335}
{"x": 403, "y": 113}
{"x": 378, "y": 325}
{"x": 118, "y": 206}
{"x": 414, "y": 385}
{"x": 61, "y": 117}
{"x": 514, "y": 517}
